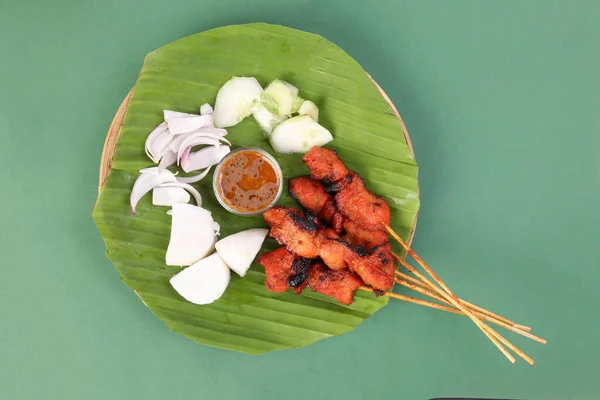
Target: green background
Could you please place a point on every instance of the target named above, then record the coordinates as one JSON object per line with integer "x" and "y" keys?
{"x": 502, "y": 102}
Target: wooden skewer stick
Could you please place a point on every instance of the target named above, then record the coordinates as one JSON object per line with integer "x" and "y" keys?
{"x": 487, "y": 318}
{"x": 451, "y": 297}
{"x": 514, "y": 348}
{"x": 421, "y": 290}
{"x": 491, "y": 314}
{"x": 456, "y": 302}
{"x": 413, "y": 300}
{"x": 500, "y": 323}
{"x": 409, "y": 278}
{"x": 453, "y": 311}
{"x": 466, "y": 303}
{"x": 479, "y": 314}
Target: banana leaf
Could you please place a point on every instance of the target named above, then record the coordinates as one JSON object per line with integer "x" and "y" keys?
{"x": 368, "y": 137}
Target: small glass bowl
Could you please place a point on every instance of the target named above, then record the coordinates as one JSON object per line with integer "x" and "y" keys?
{"x": 220, "y": 196}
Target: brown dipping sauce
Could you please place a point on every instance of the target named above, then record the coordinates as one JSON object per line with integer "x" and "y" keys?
{"x": 248, "y": 181}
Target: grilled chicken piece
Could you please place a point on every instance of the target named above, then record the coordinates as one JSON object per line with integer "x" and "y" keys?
{"x": 340, "y": 285}
{"x": 312, "y": 196}
{"x": 278, "y": 268}
{"x": 361, "y": 206}
{"x": 356, "y": 235}
{"x": 303, "y": 238}
{"x": 325, "y": 164}
{"x": 333, "y": 251}
{"x": 377, "y": 268}
{"x": 338, "y": 185}
{"x": 283, "y": 269}
{"x": 291, "y": 228}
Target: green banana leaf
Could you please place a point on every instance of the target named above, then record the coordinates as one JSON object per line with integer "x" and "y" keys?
{"x": 368, "y": 137}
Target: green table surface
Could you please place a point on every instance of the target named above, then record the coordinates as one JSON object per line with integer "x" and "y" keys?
{"x": 502, "y": 103}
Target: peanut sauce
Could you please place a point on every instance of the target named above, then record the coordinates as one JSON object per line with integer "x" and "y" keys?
{"x": 248, "y": 182}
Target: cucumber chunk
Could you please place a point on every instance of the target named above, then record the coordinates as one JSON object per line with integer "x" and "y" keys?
{"x": 236, "y": 99}
{"x": 298, "y": 135}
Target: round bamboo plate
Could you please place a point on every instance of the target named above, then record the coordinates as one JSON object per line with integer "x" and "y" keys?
{"x": 115, "y": 127}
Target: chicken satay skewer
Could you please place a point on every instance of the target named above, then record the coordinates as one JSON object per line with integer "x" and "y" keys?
{"x": 279, "y": 266}
{"x": 409, "y": 279}
{"x": 445, "y": 292}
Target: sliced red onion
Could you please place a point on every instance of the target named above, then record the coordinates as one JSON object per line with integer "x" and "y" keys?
{"x": 169, "y": 115}
{"x": 203, "y": 158}
{"x": 169, "y": 158}
{"x": 198, "y": 137}
{"x": 194, "y": 178}
{"x": 160, "y": 145}
{"x": 206, "y": 133}
{"x": 185, "y": 158}
{"x": 159, "y": 130}
{"x": 187, "y": 187}
{"x": 215, "y": 133}
{"x": 212, "y": 131}
{"x": 180, "y": 123}
{"x": 148, "y": 179}
{"x": 194, "y": 140}
{"x": 153, "y": 170}
{"x": 176, "y": 142}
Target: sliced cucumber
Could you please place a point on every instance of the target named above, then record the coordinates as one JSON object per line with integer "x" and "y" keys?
{"x": 279, "y": 97}
{"x": 298, "y": 135}
{"x": 293, "y": 89}
{"x": 309, "y": 108}
{"x": 266, "y": 119}
{"x": 236, "y": 99}
{"x": 297, "y": 104}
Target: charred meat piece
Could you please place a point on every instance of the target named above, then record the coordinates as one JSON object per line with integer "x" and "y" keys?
{"x": 332, "y": 216}
{"x": 340, "y": 285}
{"x": 333, "y": 250}
{"x": 301, "y": 265}
{"x": 283, "y": 271}
{"x": 361, "y": 206}
{"x": 294, "y": 230}
{"x": 279, "y": 271}
{"x": 325, "y": 164}
{"x": 275, "y": 215}
{"x": 297, "y": 281}
{"x": 299, "y": 273}
{"x": 374, "y": 266}
{"x": 278, "y": 268}
{"x": 305, "y": 240}
{"x": 356, "y": 235}
{"x": 309, "y": 193}
{"x": 339, "y": 184}
{"x": 376, "y": 269}
{"x": 312, "y": 196}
